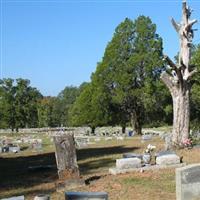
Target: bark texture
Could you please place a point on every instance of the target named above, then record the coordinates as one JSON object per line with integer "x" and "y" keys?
{"x": 177, "y": 78}
{"x": 66, "y": 157}
{"x": 136, "y": 123}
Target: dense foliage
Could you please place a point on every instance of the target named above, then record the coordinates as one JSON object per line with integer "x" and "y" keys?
{"x": 124, "y": 90}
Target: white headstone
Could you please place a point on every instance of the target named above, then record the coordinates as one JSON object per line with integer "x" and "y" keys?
{"x": 126, "y": 163}
{"x": 169, "y": 159}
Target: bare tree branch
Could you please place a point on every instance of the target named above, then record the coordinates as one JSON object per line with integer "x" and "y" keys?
{"x": 171, "y": 63}
{"x": 176, "y": 25}
{"x": 192, "y": 73}
{"x": 167, "y": 79}
{"x": 190, "y": 24}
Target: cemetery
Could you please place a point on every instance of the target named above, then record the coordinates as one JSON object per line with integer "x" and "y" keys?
{"x": 131, "y": 133}
{"x": 118, "y": 168}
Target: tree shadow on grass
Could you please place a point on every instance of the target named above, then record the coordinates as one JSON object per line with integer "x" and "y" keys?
{"x": 15, "y": 171}
{"x": 103, "y": 151}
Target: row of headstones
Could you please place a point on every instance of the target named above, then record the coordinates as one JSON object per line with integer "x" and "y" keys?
{"x": 12, "y": 148}
{"x": 131, "y": 160}
{"x": 70, "y": 196}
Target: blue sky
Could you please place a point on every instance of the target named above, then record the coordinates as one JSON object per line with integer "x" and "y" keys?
{"x": 58, "y": 43}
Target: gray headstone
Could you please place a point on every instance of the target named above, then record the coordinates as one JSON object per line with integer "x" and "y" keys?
{"x": 42, "y": 197}
{"x": 170, "y": 159}
{"x": 188, "y": 182}
{"x": 126, "y": 163}
{"x": 86, "y": 196}
{"x": 146, "y": 137}
{"x": 14, "y": 149}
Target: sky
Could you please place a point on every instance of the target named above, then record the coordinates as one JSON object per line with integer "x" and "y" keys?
{"x": 57, "y": 43}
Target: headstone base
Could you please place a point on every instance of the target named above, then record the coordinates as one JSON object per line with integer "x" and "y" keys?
{"x": 115, "y": 171}
{"x": 69, "y": 185}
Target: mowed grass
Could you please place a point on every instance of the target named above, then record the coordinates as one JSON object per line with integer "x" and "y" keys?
{"x": 16, "y": 178}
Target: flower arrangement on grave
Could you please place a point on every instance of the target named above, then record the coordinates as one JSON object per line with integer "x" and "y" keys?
{"x": 149, "y": 148}
{"x": 147, "y": 154}
{"x": 187, "y": 143}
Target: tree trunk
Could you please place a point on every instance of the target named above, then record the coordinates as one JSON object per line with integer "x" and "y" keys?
{"x": 123, "y": 128}
{"x": 137, "y": 127}
{"x": 181, "y": 112}
{"x": 178, "y": 82}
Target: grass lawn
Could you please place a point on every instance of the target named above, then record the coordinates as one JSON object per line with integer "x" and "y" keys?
{"x": 16, "y": 178}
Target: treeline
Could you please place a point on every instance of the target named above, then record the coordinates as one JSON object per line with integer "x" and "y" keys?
{"x": 124, "y": 90}
{"x": 22, "y": 106}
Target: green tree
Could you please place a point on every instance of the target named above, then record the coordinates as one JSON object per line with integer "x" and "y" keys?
{"x": 46, "y": 112}
{"x": 8, "y": 111}
{"x": 65, "y": 100}
{"x": 26, "y": 99}
{"x": 123, "y": 85}
{"x": 19, "y": 103}
{"x": 195, "y": 91}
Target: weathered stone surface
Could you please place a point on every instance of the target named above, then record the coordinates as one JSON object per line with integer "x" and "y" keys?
{"x": 42, "y": 197}
{"x": 126, "y": 163}
{"x": 188, "y": 182}
{"x": 170, "y": 159}
{"x": 66, "y": 157}
{"x": 69, "y": 184}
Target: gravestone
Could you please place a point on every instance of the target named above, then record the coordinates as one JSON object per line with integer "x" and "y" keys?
{"x": 146, "y": 137}
{"x": 169, "y": 159}
{"x": 188, "y": 182}
{"x": 42, "y": 197}
{"x": 127, "y": 163}
{"x": 66, "y": 157}
{"x": 14, "y": 149}
{"x": 168, "y": 142}
{"x": 86, "y": 196}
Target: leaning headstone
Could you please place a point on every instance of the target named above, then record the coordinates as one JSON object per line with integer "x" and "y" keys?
{"x": 168, "y": 142}
{"x": 15, "y": 198}
{"x": 188, "y": 182}
{"x": 86, "y": 195}
{"x": 169, "y": 159}
{"x": 66, "y": 157}
{"x": 126, "y": 163}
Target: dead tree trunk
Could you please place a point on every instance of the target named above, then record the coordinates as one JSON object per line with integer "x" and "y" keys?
{"x": 177, "y": 78}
